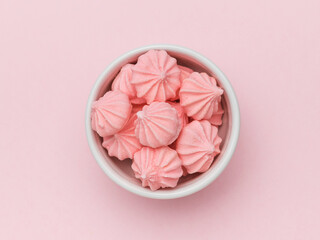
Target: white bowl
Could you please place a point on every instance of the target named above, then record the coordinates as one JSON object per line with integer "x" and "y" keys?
{"x": 120, "y": 171}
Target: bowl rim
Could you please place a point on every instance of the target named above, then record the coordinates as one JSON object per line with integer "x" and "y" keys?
{"x": 191, "y": 188}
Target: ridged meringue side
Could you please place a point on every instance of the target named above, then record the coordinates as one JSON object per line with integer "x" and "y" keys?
{"x": 110, "y": 113}
{"x": 197, "y": 145}
{"x": 185, "y": 73}
{"x": 157, "y": 125}
{"x": 200, "y": 96}
{"x": 157, "y": 167}
{"x": 183, "y": 118}
{"x": 156, "y": 76}
{"x": 122, "y": 82}
{"x": 124, "y": 143}
{"x": 216, "y": 118}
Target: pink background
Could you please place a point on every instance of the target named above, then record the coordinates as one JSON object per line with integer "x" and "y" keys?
{"x": 51, "y": 53}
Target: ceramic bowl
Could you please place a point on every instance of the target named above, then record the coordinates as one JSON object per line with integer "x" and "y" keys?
{"x": 120, "y": 171}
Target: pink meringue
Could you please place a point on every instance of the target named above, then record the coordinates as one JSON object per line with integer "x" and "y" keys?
{"x": 156, "y": 76}
{"x": 216, "y": 118}
{"x": 110, "y": 113}
{"x": 157, "y": 168}
{"x": 197, "y": 145}
{"x": 200, "y": 95}
{"x": 124, "y": 143}
{"x": 157, "y": 125}
{"x": 122, "y": 82}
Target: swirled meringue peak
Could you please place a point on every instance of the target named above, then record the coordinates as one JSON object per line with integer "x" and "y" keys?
{"x": 124, "y": 143}
{"x": 197, "y": 146}
{"x": 156, "y": 76}
{"x": 122, "y": 82}
{"x": 216, "y": 118}
{"x": 110, "y": 113}
{"x": 157, "y": 125}
{"x": 200, "y": 96}
{"x": 157, "y": 167}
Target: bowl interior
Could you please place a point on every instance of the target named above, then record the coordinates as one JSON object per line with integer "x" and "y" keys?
{"x": 123, "y": 168}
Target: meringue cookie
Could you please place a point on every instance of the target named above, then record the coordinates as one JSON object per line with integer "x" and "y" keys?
{"x": 110, "y": 113}
{"x": 122, "y": 82}
{"x": 216, "y": 118}
{"x": 157, "y": 125}
{"x": 124, "y": 143}
{"x": 157, "y": 167}
{"x": 197, "y": 145}
{"x": 200, "y": 95}
{"x": 156, "y": 76}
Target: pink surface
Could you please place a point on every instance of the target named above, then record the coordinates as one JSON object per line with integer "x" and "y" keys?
{"x": 51, "y": 52}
